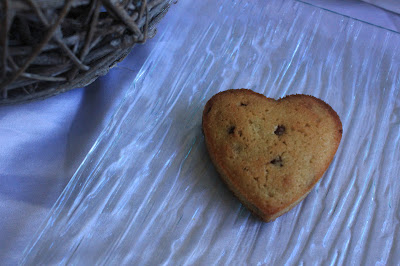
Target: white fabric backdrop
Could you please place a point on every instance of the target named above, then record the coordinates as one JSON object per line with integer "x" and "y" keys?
{"x": 364, "y": 11}
{"x": 392, "y": 5}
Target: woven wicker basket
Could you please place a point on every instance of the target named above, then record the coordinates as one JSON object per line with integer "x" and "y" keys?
{"x": 52, "y": 46}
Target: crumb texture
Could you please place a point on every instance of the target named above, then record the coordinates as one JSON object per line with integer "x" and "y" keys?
{"x": 270, "y": 152}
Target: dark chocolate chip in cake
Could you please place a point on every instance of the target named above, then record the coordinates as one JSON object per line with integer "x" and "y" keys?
{"x": 280, "y": 130}
{"x": 231, "y": 130}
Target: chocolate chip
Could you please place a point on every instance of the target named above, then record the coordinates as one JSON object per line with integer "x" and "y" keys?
{"x": 231, "y": 130}
{"x": 280, "y": 130}
{"x": 277, "y": 161}
{"x": 243, "y": 104}
{"x": 341, "y": 131}
{"x": 209, "y": 109}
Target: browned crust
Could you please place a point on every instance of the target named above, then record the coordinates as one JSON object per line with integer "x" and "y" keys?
{"x": 266, "y": 214}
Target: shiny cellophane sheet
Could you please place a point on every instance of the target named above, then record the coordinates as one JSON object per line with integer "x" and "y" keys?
{"x": 147, "y": 192}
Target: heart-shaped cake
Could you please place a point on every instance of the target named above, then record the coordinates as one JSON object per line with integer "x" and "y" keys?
{"x": 269, "y": 152}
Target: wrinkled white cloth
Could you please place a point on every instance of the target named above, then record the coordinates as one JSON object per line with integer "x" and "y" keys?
{"x": 43, "y": 143}
{"x": 364, "y": 11}
{"x": 391, "y": 5}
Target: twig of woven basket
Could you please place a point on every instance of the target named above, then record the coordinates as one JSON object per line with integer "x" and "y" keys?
{"x": 51, "y": 46}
